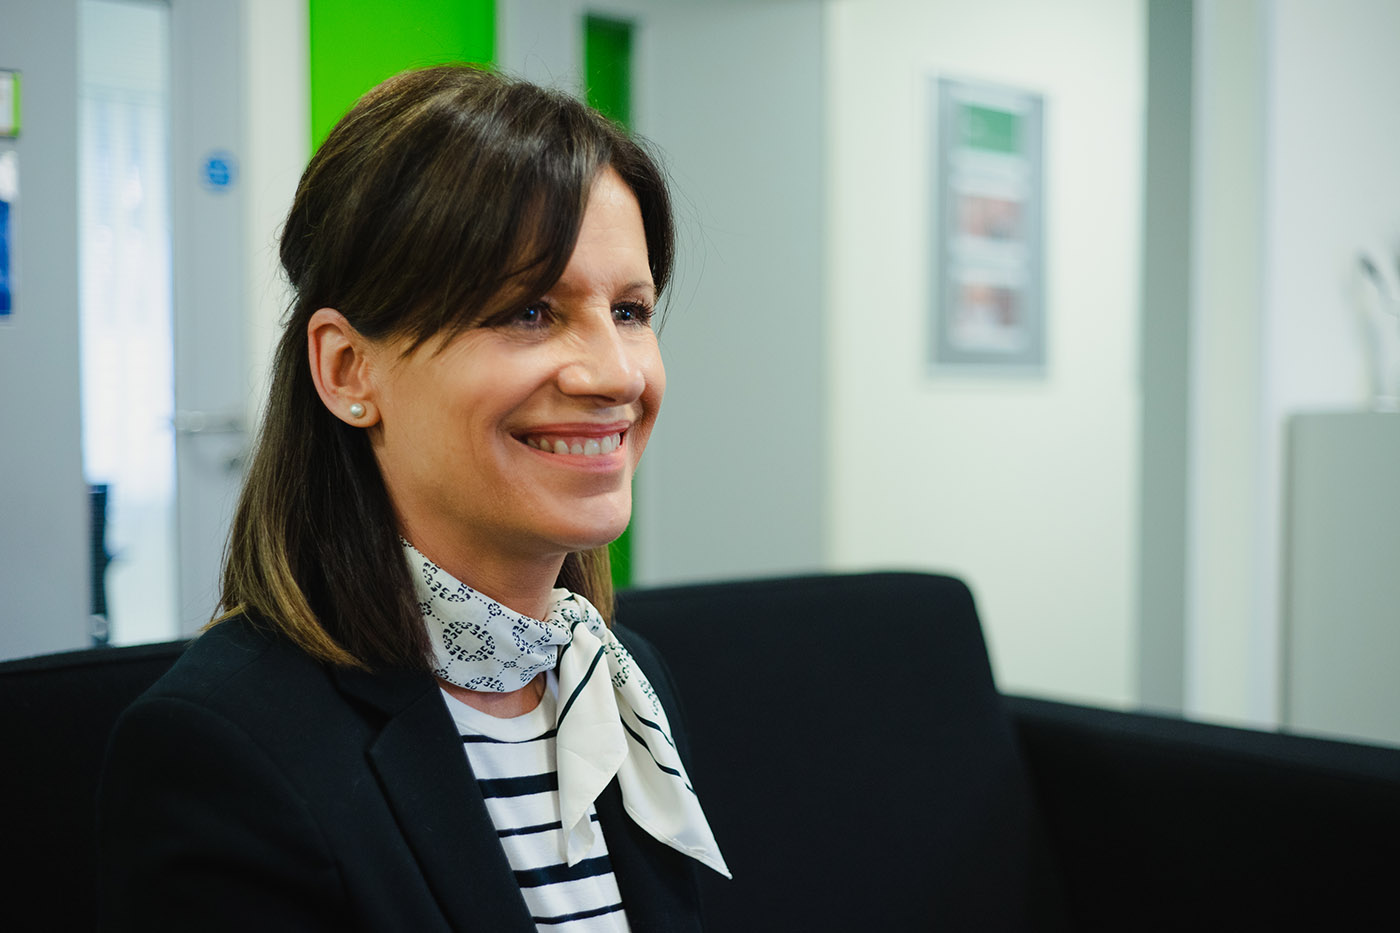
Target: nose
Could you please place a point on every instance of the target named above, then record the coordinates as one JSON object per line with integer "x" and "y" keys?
{"x": 606, "y": 364}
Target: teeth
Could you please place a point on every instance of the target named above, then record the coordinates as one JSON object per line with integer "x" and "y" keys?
{"x": 584, "y": 446}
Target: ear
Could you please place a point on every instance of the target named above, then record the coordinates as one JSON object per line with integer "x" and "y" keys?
{"x": 340, "y": 358}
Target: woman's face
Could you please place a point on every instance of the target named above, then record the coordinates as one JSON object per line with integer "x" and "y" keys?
{"x": 518, "y": 440}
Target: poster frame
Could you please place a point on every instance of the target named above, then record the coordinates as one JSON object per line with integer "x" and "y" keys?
{"x": 987, "y": 297}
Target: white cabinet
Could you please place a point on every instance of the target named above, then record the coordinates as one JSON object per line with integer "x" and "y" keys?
{"x": 1342, "y": 576}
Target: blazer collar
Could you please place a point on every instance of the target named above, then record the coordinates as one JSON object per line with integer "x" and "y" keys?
{"x": 434, "y": 796}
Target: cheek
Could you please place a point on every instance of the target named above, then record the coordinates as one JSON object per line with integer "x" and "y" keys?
{"x": 655, "y": 372}
{"x": 656, "y": 382}
{"x": 651, "y": 403}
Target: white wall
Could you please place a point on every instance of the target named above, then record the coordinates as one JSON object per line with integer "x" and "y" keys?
{"x": 1026, "y": 488}
{"x": 1326, "y": 201}
{"x": 1303, "y": 101}
{"x": 1226, "y": 499}
{"x": 542, "y": 40}
{"x": 734, "y": 483}
{"x": 277, "y": 115}
{"x": 1167, "y": 210}
{"x": 44, "y": 596}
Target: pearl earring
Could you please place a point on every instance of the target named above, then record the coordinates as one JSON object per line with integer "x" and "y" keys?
{"x": 357, "y": 410}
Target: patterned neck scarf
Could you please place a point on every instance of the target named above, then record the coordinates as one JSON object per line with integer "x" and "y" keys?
{"x": 610, "y": 722}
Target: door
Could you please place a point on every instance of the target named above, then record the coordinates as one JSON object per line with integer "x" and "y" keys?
{"x": 212, "y": 373}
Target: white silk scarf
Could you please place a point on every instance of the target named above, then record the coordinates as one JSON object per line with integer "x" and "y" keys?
{"x": 610, "y": 723}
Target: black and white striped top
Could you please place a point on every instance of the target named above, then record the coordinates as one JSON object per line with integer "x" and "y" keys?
{"x": 514, "y": 763}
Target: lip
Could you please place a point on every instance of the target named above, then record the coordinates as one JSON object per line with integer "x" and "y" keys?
{"x": 575, "y": 428}
{"x": 595, "y": 463}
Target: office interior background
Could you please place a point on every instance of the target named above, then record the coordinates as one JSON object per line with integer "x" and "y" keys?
{"x": 1191, "y": 506}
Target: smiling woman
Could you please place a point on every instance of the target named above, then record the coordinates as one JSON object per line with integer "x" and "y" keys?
{"x": 446, "y": 200}
{"x": 412, "y": 712}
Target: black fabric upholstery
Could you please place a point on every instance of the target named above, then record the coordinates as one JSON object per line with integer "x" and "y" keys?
{"x": 852, "y": 755}
{"x": 861, "y": 773}
{"x": 55, "y": 714}
{"x": 1194, "y": 826}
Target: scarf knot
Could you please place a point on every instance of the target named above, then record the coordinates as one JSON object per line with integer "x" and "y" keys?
{"x": 610, "y": 723}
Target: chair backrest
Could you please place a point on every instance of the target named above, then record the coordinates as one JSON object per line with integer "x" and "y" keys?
{"x": 56, "y": 712}
{"x": 852, "y": 754}
{"x": 849, "y": 746}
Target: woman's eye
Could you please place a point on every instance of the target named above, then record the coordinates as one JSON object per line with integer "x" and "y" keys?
{"x": 531, "y": 316}
{"x": 632, "y": 313}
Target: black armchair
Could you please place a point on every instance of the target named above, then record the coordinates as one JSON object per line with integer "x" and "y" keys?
{"x": 861, "y": 772}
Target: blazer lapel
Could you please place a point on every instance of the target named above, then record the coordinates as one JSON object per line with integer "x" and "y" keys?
{"x": 434, "y": 796}
{"x": 658, "y": 884}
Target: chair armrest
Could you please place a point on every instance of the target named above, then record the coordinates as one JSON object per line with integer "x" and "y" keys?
{"x": 1183, "y": 825}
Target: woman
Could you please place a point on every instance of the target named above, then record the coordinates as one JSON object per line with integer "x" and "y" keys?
{"x": 400, "y": 722}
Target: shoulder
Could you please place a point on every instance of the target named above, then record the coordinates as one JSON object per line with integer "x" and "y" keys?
{"x": 205, "y": 798}
{"x": 243, "y": 689}
{"x": 235, "y": 656}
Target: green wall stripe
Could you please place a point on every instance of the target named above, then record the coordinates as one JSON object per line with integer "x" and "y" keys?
{"x": 607, "y": 66}
{"x": 355, "y": 44}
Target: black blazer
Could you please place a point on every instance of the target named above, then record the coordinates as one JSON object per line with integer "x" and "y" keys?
{"x": 253, "y": 788}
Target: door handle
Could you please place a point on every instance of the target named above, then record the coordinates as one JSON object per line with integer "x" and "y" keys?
{"x": 207, "y": 422}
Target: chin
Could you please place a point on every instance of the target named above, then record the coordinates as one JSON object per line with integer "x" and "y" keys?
{"x": 598, "y": 534}
{"x": 600, "y": 539}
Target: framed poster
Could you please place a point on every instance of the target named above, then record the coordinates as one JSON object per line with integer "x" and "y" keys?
{"x": 9, "y": 102}
{"x": 988, "y": 309}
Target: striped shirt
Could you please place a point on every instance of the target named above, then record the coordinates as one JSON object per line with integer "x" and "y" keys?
{"x": 514, "y": 763}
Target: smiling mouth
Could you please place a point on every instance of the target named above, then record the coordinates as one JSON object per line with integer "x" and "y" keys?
{"x": 579, "y": 446}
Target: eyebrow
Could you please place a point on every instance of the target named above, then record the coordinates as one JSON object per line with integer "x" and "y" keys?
{"x": 636, "y": 285}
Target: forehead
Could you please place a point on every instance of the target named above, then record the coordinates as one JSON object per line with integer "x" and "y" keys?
{"x": 612, "y": 242}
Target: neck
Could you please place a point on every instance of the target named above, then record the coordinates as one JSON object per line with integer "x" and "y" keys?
{"x": 501, "y": 705}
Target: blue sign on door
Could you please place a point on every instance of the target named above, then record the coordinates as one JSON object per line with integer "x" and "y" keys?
{"x": 220, "y": 170}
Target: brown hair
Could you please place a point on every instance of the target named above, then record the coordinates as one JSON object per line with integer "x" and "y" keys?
{"x": 442, "y": 199}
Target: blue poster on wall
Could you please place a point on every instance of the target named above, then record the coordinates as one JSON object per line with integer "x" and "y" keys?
{"x": 5, "y": 302}
{"x": 9, "y": 190}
